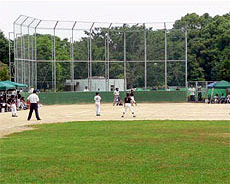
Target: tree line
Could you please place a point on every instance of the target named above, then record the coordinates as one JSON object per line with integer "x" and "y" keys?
{"x": 208, "y": 52}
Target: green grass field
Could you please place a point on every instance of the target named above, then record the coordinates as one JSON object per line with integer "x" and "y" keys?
{"x": 119, "y": 152}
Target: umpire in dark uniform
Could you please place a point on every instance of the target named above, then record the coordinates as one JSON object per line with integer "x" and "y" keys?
{"x": 34, "y": 101}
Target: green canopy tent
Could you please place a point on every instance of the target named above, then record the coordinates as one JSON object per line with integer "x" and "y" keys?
{"x": 6, "y": 86}
{"x": 17, "y": 85}
{"x": 222, "y": 85}
{"x": 219, "y": 88}
{"x": 9, "y": 85}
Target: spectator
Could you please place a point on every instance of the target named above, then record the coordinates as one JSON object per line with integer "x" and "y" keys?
{"x": 228, "y": 99}
{"x": 22, "y": 104}
{"x": 199, "y": 90}
{"x": 192, "y": 93}
{"x": 9, "y": 102}
{"x": 18, "y": 98}
{"x": 209, "y": 99}
{"x": 222, "y": 98}
{"x": 46, "y": 86}
{"x": 31, "y": 90}
{"x": 86, "y": 88}
{"x": 168, "y": 89}
{"x": 154, "y": 88}
{"x": 1, "y": 103}
{"x": 216, "y": 99}
{"x": 14, "y": 93}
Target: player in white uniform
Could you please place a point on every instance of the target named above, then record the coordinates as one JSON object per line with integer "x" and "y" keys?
{"x": 97, "y": 100}
{"x": 116, "y": 94}
{"x": 13, "y": 109}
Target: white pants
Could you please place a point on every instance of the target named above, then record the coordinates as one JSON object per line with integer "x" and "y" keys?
{"x": 115, "y": 100}
{"x": 13, "y": 109}
{"x": 128, "y": 106}
{"x": 132, "y": 98}
{"x": 18, "y": 103}
{"x": 228, "y": 100}
{"x": 98, "y": 107}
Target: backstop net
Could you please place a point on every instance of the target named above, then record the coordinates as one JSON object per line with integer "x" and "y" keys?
{"x": 54, "y": 55}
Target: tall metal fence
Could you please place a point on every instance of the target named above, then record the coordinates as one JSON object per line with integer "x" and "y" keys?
{"x": 48, "y": 53}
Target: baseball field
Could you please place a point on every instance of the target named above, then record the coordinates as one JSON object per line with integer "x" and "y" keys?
{"x": 165, "y": 143}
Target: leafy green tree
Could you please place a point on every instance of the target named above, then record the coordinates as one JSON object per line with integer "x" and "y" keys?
{"x": 208, "y": 45}
{"x": 4, "y": 72}
{"x": 4, "y": 49}
{"x": 224, "y": 70}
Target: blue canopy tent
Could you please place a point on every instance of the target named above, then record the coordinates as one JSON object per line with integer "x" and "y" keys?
{"x": 211, "y": 85}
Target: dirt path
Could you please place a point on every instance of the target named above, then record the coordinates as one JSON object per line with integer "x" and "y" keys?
{"x": 86, "y": 112}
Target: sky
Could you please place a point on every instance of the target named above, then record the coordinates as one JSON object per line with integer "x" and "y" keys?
{"x": 110, "y": 10}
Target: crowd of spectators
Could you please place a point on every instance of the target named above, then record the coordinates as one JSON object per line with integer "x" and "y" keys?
{"x": 220, "y": 99}
{"x": 196, "y": 95}
{"x": 11, "y": 101}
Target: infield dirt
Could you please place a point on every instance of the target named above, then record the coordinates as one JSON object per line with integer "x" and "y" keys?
{"x": 86, "y": 112}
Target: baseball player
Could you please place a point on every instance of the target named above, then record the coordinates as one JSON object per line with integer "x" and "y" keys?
{"x": 97, "y": 100}
{"x": 127, "y": 105}
{"x": 34, "y": 100}
{"x": 13, "y": 108}
{"x": 132, "y": 97}
{"x": 116, "y": 94}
